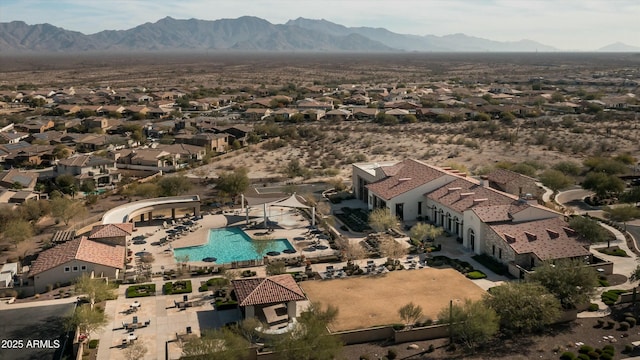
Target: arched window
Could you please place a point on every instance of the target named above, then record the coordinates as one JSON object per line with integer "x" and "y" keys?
{"x": 449, "y": 228}
{"x": 472, "y": 239}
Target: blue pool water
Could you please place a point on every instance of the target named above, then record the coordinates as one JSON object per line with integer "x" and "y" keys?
{"x": 227, "y": 245}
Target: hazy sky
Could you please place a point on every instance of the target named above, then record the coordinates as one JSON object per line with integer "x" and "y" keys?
{"x": 564, "y": 24}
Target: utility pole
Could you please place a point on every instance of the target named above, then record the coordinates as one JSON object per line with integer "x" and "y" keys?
{"x": 451, "y": 322}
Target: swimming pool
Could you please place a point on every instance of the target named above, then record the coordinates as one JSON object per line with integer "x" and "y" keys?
{"x": 230, "y": 244}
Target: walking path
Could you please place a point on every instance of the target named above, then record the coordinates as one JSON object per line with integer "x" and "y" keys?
{"x": 574, "y": 199}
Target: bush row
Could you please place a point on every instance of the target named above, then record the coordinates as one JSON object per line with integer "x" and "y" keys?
{"x": 177, "y": 287}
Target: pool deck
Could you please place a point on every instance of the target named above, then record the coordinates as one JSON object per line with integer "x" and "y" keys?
{"x": 291, "y": 226}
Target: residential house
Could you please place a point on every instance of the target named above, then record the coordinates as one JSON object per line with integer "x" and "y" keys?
{"x": 469, "y": 209}
{"x": 338, "y": 115}
{"x": 145, "y": 159}
{"x": 12, "y": 137}
{"x": 64, "y": 263}
{"x": 25, "y": 154}
{"x": 235, "y": 132}
{"x": 36, "y": 126}
{"x": 256, "y": 114}
{"x": 91, "y": 123}
{"x": 211, "y": 142}
{"x": 397, "y": 113}
{"x": 272, "y": 300}
{"x": 365, "y": 114}
{"x": 112, "y": 234}
{"x": 102, "y": 171}
{"x": 185, "y": 152}
{"x": 313, "y": 104}
{"x": 284, "y": 113}
{"x": 111, "y": 109}
{"x": 92, "y": 142}
{"x": 8, "y": 275}
{"x": 18, "y": 179}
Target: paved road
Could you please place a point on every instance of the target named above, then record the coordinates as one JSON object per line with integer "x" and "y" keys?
{"x": 574, "y": 199}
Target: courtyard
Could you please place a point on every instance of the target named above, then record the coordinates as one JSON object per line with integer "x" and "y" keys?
{"x": 374, "y": 300}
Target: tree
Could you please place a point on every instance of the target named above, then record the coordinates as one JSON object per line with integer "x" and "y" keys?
{"x": 622, "y": 213}
{"x": 310, "y": 339}
{"x": 568, "y": 168}
{"x": 555, "y": 180}
{"x": 589, "y": 229}
{"x": 135, "y": 351}
{"x": 390, "y": 248}
{"x": 233, "y": 183}
{"x": 33, "y": 210}
{"x": 352, "y": 251}
{"x": 17, "y": 231}
{"x": 523, "y": 307}
{"x": 97, "y": 290}
{"x": 635, "y": 274}
{"x": 275, "y": 268}
{"x": 60, "y": 151}
{"x": 605, "y": 165}
{"x": 380, "y": 219}
{"x": 410, "y": 313}
{"x": 219, "y": 344}
{"x": 569, "y": 281}
{"x": 87, "y": 319}
{"x": 66, "y": 209}
{"x": 632, "y": 196}
{"x": 174, "y": 185}
{"x": 67, "y": 184}
{"x": 473, "y": 323}
{"x": 419, "y": 232}
{"x": 603, "y": 184}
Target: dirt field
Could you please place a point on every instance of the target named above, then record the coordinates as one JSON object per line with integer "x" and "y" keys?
{"x": 368, "y": 301}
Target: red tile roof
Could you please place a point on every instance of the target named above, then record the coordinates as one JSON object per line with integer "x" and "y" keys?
{"x": 547, "y": 238}
{"x": 462, "y": 194}
{"x": 274, "y": 289}
{"x": 111, "y": 230}
{"x": 404, "y": 176}
{"x": 81, "y": 249}
{"x": 504, "y": 176}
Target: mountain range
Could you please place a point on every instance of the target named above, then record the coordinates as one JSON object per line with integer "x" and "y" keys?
{"x": 249, "y": 33}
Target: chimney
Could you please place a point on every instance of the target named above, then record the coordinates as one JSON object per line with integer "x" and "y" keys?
{"x": 478, "y": 201}
{"x": 484, "y": 181}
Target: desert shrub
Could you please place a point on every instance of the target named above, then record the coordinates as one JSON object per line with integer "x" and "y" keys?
{"x": 364, "y": 357}
{"x": 141, "y": 290}
{"x": 593, "y": 355}
{"x": 391, "y": 354}
{"x": 567, "y": 355}
{"x": 628, "y": 348}
{"x": 624, "y": 326}
{"x": 628, "y": 314}
{"x": 477, "y": 274}
{"x": 583, "y": 357}
{"x": 600, "y": 323}
{"x": 631, "y": 321}
{"x": 611, "y": 296}
{"x": 93, "y": 343}
{"x": 610, "y": 324}
{"x": 177, "y": 287}
{"x": 593, "y": 307}
{"x": 609, "y": 349}
{"x": 606, "y": 356}
{"x": 585, "y": 349}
